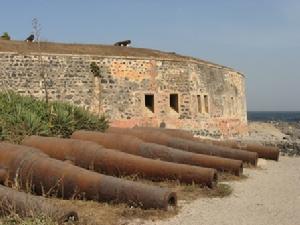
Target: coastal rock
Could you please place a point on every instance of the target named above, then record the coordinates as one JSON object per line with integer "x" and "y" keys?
{"x": 284, "y": 135}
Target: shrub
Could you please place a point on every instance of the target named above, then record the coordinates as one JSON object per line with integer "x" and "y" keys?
{"x": 21, "y": 116}
{"x": 95, "y": 69}
{"x": 5, "y": 36}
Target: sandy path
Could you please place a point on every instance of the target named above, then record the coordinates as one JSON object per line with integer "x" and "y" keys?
{"x": 270, "y": 196}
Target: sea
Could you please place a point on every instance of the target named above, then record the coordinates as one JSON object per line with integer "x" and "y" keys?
{"x": 289, "y": 116}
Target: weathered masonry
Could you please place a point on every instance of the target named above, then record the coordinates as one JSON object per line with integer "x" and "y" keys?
{"x": 132, "y": 86}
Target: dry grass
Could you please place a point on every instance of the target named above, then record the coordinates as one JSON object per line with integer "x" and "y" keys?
{"x": 16, "y": 220}
{"x": 91, "y": 213}
{"x": 221, "y": 191}
{"x": 92, "y": 49}
{"x": 225, "y": 177}
{"x": 249, "y": 166}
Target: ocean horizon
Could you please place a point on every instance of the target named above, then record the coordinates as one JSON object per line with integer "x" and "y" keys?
{"x": 287, "y": 116}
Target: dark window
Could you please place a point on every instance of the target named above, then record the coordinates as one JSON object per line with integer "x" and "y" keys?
{"x": 149, "y": 102}
{"x": 206, "y": 103}
{"x": 174, "y": 102}
{"x": 199, "y": 103}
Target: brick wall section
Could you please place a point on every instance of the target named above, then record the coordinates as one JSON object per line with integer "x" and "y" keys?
{"x": 120, "y": 90}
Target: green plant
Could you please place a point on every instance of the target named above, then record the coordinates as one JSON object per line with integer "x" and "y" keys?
{"x": 21, "y": 116}
{"x": 5, "y": 36}
{"x": 95, "y": 69}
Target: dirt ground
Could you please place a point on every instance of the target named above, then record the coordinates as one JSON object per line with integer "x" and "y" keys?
{"x": 270, "y": 196}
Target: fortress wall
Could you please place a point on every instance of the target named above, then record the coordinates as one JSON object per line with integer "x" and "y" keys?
{"x": 205, "y": 98}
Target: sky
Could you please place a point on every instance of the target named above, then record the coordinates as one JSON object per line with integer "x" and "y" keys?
{"x": 260, "y": 38}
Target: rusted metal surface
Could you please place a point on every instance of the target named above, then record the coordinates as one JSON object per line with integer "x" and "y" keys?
{"x": 29, "y": 168}
{"x": 136, "y": 146}
{"x": 90, "y": 155}
{"x": 26, "y": 205}
{"x": 266, "y": 152}
{"x": 187, "y": 145}
{"x": 172, "y": 132}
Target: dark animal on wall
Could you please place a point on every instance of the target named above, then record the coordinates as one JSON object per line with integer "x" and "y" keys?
{"x": 125, "y": 43}
{"x": 30, "y": 38}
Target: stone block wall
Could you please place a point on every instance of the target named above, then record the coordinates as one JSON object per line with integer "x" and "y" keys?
{"x": 205, "y": 98}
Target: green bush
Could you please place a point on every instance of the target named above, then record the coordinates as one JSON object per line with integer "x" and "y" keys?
{"x": 95, "y": 69}
{"x": 21, "y": 116}
{"x": 5, "y": 36}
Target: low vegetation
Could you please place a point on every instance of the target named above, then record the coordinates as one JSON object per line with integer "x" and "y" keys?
{"x": 95, "y": 69}
{"x": 21, "y": 116}
{"x": 5, "y": 36}
{"x": 107, "y": 214}
{"x": 14, "y": 219}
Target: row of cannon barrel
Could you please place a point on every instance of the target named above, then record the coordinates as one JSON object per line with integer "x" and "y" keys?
{"x": 90, "y": 165}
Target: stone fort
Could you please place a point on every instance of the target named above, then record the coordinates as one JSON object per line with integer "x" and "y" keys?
{"x": 131, "y": 86}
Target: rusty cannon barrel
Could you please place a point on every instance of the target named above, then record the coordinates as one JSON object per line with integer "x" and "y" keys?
{"x": 88, "y": 155}
{"x": 27, "y": 205}
{"x": 172, "y": 132}
{"x": 136, "y": 146}
{"x": 266, "y": 152}
{"x": 187, "y": 145}
{"x": 29, "y": 168}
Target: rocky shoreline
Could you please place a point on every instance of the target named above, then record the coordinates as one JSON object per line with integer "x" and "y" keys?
{"x": 284, "y": 135}
{"x": 290, "y": 144}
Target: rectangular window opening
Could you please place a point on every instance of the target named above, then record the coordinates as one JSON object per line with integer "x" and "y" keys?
{"x": 206, "y": 103}
{"x": 199, "y": 103}
{"x": 149, "y": 102}
{"x": 174, "y": 102}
